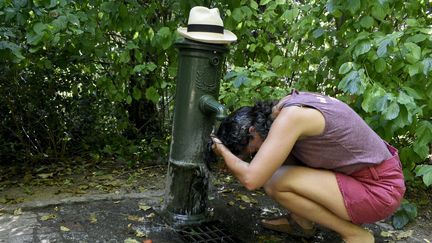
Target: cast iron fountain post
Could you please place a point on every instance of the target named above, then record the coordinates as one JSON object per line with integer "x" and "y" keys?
{"x": 195, "y": 110}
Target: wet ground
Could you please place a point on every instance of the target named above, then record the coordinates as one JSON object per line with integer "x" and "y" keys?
{"x": 128, "y": 216}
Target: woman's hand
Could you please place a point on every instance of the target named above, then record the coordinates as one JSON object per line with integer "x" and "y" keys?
{"x": 217, "y": 145}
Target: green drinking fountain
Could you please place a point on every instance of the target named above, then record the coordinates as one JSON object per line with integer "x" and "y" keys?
{"x": 195, "y": 111}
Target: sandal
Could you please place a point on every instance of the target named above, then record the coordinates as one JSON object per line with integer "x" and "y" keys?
{"x": 290, "y": 227}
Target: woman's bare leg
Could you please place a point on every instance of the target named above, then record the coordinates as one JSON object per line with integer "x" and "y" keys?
{"x": 313, "y": 195}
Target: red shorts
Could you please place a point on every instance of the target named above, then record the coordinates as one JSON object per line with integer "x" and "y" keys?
{"x": 373, "y": 193}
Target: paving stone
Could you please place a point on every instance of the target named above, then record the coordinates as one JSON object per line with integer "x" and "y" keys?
{"x": 5, "y": 219}
{"x": 44, "y": 230}
{"x": 49, "y": 238}
{"x": 109, "y": 241}
{"x": 21, "y": 238}
{"x": 22, "y": 230}
{"x": 76, "y": 236}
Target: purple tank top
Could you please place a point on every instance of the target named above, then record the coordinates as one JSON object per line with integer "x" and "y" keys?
{"x": 347, "y": 143}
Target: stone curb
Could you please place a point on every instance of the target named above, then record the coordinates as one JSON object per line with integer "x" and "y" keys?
{"x": 150, "y": 195}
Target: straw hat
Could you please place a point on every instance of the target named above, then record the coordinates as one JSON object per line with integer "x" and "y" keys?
{"x": 206, "y": 25}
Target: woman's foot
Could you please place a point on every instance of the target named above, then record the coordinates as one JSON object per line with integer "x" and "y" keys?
{"x": 364, "y": 236}
{"x": 290, "y": 224}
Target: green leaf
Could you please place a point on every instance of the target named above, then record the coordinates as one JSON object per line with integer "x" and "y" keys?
{"x": 73, "y": 19}
{"x": 290, "y": 15}
{"x": 380, "y": 65}
{"x": 417, "y": 38}
{"x": 421, "y": 149}
{"x": 404, "y": 99}
{"x": 414, "y": 69}
{"x": 40, "y": 3}
{"x": 427, "y": 65}
{"x": 264, "y": 2}
{"x": 392, "y": 111}
{"x": 412, "y": 22}
{"x": 139, "y": 68}
{"x": 317, "y": 33}
{"x": 125, "y": 57}
{"x": 33, "y": 38}
{"x": 269, "y": 47}
{"x": 163, "y": 37}
{"x": 330, "y": 6}
{"x": 230, "y": 75}
{"x": 144, "y": 68}
{"x": 414, "y": 49}
{"x": 254, "y": 5}
{"x": 378, "y": 12}
{"x": 406, "y": 212}
{"x": 129, "y": 99}
{"x": 362, "y": 48}
{"x": 152, "y": 94}
{"x": 136, "y": 93}
{"x": 39, "y": 28}
{"x": 151, "y": 66}
{"x": 372, "y": 97}
{"x": 410, "y": 209}
{"x": 237, "y": 15}
{"x": 400, "y": 219}
{"x": 412, "y": 92}
{"x": 277, "y": 61}
{"x": 59, "y": 23}
{"x": 408, "y": 158}
{"x": 353, "y": 6}
{"x": 53, "y": 3}
{"x": 426, "y": 172}
{"x": 164, "y": 32}
{"x": 424, "y": 139}
{"x": 19, "y": 3}
{"x": 63, "y": 2}
{"x": 366, "y": 22}
{"x": 382, "y": 48}
{"x": 403, "y": 119}
{"x": 14, "y": 48}
{"x": 351, "y": 83}
{"x": 346, "y": 67}
{"x": 123, "y": 11}
{"x": 368, "y": 99}
{"x": 131, "y": 45}
{"x": 381, "y": 103}
{"x": 240, "y": 80}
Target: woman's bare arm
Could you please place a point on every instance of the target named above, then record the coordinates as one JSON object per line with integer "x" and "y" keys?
{"x": 291, "y": 124}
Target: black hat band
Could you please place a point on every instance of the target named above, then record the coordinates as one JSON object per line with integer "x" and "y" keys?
{"x": 205, "y": 28}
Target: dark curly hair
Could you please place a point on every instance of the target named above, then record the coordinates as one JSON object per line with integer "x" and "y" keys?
{"x": 234, "y": 130}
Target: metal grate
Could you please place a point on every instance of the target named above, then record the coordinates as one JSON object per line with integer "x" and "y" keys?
{"x": 206, "y": 232}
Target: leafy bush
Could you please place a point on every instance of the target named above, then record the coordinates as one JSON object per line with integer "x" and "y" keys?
{"x": 78, "y": 74}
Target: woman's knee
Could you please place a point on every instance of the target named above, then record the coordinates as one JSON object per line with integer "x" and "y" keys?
{"x": 278, "y": 182}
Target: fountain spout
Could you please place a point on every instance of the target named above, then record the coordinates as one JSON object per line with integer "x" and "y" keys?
{"x": 208, "y": 104}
